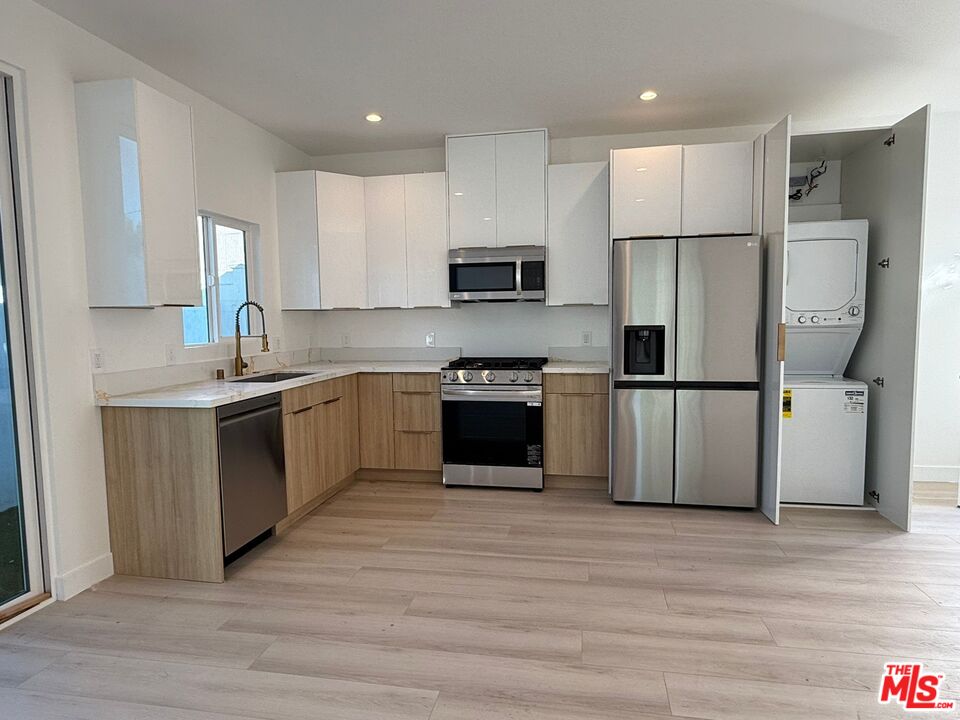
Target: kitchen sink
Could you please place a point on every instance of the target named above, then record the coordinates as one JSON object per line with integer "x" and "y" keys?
{"x": 272, "y": 377}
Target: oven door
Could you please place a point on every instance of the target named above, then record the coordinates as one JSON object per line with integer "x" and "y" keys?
{"x": 485, "y": 280}
{"x": 493, "y": 427}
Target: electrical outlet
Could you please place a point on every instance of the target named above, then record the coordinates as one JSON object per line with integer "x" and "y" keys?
{"x": 98, "y": 359}
{"x": 586, "y": 337}
{"x": 344, "y": 340}
{"x": 170, "y": 355}
{"x": 431, "y": 339}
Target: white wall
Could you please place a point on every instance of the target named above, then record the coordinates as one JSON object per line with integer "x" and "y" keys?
{"x": 235, "y": 165}
{"x": 937, "y": 430}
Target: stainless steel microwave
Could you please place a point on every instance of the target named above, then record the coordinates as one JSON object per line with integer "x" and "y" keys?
{"x": 498, "y": 274}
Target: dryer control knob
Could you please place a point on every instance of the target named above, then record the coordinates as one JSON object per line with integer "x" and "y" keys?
{"x": 854, "y": 310}
{"x": 802, "y": 319}
{"x": 815, "y": 319}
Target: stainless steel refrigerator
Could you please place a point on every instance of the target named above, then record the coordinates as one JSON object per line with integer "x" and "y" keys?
{"x": 685, "y": 370}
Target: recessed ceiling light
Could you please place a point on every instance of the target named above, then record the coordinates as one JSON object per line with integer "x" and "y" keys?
{"x": 374, "y": 117}
{"x": 648, "y": 95}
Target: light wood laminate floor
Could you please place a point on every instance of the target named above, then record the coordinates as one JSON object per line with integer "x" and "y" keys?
{"x": 405, "y": 600}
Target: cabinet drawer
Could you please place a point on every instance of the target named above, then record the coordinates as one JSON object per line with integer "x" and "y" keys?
{"x": 577, "y": 383}
{"x": 313, "y": 394}
{"x": 417, "y": 450}
{"x": 416, "y": 382}
{"x": 416, "y": 411}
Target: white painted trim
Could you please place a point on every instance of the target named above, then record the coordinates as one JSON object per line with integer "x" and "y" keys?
{"x": 80, "y": 578}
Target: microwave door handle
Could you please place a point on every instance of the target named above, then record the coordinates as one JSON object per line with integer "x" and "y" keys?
{"x": 519, "y": 276}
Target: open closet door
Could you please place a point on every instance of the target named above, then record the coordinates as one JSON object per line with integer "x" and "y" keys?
{"x": 776, "y": 180}
{"x": 885, "y": 182}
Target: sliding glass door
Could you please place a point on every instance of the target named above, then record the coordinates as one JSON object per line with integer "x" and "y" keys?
{"x": 21, "y": 565}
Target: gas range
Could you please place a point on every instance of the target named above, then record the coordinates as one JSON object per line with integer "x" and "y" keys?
{"x": 509, "y": 372}
{"x": 493, "y": 422}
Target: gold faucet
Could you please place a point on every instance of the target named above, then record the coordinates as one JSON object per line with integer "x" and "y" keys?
{"x": 239, "y": 364}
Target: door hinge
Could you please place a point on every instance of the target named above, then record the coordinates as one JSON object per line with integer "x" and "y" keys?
{"x": 875, "y": 495}
{"x": 885, "y": 263}
{"x": 890, "y": 140}
{"x": 878, "y": 381}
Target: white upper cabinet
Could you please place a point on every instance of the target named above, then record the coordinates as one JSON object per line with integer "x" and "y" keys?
{"x": 426, "y": 225}
{"x": 472, "y": 187}
{"x": 297, "y": 227}
{"x": 385, "y": 211}
{"x": 521, "y": 188}
{"x": 646, "y": 191}
{"x": 579, "y": 234}
{"x": 139, "y": 196}
{"x": 341, "y": 224}
{"x": 497, "y": 189}
{"x": 717, "y": 196}
{"x": 353, "y": 242}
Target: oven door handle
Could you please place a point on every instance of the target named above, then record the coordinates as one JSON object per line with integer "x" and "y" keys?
{"x": 461, "y": 395}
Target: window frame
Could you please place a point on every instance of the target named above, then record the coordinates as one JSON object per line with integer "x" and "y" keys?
{"x": 251, "y": 235}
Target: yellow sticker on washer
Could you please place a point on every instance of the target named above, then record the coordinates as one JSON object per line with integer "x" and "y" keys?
{"x": 788, "y": 403}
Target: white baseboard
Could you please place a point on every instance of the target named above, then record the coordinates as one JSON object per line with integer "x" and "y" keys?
{"x": 80, "y": 578}
{"x": 936, "y": 473}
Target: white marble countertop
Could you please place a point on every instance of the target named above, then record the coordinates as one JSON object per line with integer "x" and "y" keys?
{"x": 577, "y": 366}
{"x": 213, "y": 393}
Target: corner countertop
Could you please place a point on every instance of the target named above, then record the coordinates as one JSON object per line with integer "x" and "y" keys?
{"x": 214, "y": 393}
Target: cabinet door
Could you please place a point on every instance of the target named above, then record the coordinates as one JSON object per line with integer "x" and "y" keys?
{"x": 341, "y": 236}
{"x": 521, "y": 188}
{"x": 301, "y": 447}
{"x": 416, "y": 411}
{"x": 717, "y": 197}
{"x": 578, "y": 227}
{"x": 576, "y": 434}
{"x": 425, "y": 196}
{"x": 472, "y": 190}
{"x": 165, "y": 128}
{"x": 645, "y": 192}
{"x": 384, "y": 214}
{"x": 350, "y": 426}
{"x": 417, "y": 450}
{"x": 297, "y": 240}
{"x": 333, "y": 459}
{"x": 375, "y": 392}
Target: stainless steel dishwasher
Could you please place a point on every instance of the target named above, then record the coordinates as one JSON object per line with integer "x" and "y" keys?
{"x": 253, "y": 487}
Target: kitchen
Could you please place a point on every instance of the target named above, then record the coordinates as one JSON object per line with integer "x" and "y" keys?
{"x": 363, "y": 299}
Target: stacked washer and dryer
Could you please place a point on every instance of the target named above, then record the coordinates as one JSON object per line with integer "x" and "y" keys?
{"x": 824, "y": 413}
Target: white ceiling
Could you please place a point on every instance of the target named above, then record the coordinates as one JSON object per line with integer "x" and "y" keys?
{"x": 309, "y": 70}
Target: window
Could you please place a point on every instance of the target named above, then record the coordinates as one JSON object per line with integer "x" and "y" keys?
{"x": 225, "y": 277}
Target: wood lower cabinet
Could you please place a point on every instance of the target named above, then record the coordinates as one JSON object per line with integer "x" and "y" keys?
{"x": 417, "y": 450}
{"x": 400, "y": 421}
{"x": 376, "y": 420}
{"x": 321, "y": 440}
{"x": 576, "y": 418}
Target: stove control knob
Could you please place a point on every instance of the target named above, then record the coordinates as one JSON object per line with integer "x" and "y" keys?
{"x": 854, "y": 311}
{"x": 815, "y": 319}
{"x": 528, "y": 377}
{"x": 514, "y": 376}
{"x": 468, "y": 376}
{"x": 491, "y": 376}
{"x": 453, "y": 376}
